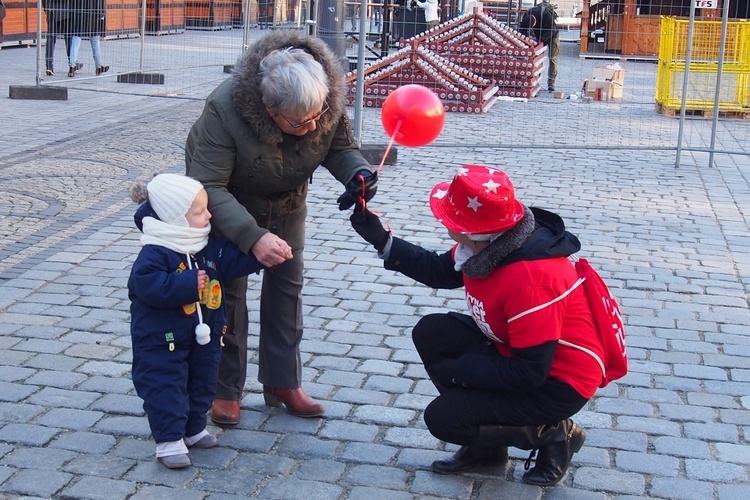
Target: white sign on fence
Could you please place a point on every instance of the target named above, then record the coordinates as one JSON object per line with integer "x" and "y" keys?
{"x": 706, "y": 4}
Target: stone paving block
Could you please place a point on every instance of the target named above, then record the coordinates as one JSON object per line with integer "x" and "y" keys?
{"x": 677, "y": 383}
{"x": 733, "y": 491}
{"x": 100, "y": 488}
{"x": 651, "y": 426}
{"x": 124, "y": 426}
{"x": 92, "y": 351}
{"x": 61, "y": 380}
{"x": 710, "y": 470}
{"x": 28, "y": 434}
{"x": 647, "y": 463}
{"x": 368, "y": 453}
{"x": 735, "y": 453}
{"x": 85, "y": 442}
{"x": 106, "y": 368}
{"x": 64, "y": 398}
{"x": 681, "y": 447}
{"x": 29, "y": 482}
{"x": 328, "y": 471}
{"x": 15, "y": 374}
{"x": 627, "y": 483}
{"x": 376, "y": 476}
{"x": 69, "y": 418}
{"x": 271, "y": 465}
{"x": 152, "y": 472}
{"x": 383, "y": 415}
{"x": 368, "y": 352}
{"x": 248, "y": 440}
{"x": 711, "y": 432}
{"x": 738, "y": 389}
{"x": 15, "y": 392}
{"x": 410, "y": 437}
{"x": 624, "y": 407}
{"x": 687, "y": 413}
{"x": 307, "y": 447}
{"x": 366, "y": 493}
{"x": 619, "y": 440}
{"x": 53, "y": 362}
{"x": 107, "y": 384}
{"x": 119, "y": 404}
{"x": 395, "y": 385}
{"x": 287, "y": 423}
{"x": 360, "y": 396}
{"x": 40, "y": 331}
{"x": 19, "y": 413}
{"x": 428, "y": 483}
{"x": 665, "y": 487}
{"x": 44, "y": 459}
{"x": 280, "y": 488}
{"x": 229, "y": 481}
{"x": 711, "y": 400}
{"x": 349, "y": 431}
{"x": 336, "y": 363}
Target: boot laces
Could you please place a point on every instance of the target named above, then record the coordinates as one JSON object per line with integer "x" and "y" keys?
{"x": 527, "y": 463}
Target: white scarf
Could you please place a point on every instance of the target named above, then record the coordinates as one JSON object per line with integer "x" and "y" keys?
{"x": 461, "y": 255}
{"x": 186, "y": 240}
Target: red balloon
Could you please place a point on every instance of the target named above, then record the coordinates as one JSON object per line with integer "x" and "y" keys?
{"x": 420, "y": 112}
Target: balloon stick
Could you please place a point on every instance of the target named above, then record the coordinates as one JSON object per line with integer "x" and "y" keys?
{"x": 388, "y": 149}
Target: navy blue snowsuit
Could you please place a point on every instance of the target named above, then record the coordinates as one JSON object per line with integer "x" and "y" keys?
{"x": 173, "y": 374}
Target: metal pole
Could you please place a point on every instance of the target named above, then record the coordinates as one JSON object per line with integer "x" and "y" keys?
{"x": 719, "y": 70}
{"x": 39, "y": 42}
{"x": 360, "y": 72}
{"x": 246, "y": 27}
{"x": 143, "y": 34}
{"x": 688, "y": 54}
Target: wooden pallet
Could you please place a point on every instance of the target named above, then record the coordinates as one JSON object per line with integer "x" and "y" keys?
{"x": 700, "y": 113}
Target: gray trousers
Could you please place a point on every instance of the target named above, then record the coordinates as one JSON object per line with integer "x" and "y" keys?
{"x": 281, "y": 325}
{"x": 553, "y": 51}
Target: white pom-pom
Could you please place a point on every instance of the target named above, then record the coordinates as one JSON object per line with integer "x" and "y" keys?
{"x": 202, "y": 334}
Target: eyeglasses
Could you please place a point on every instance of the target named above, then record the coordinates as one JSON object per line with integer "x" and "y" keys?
{"x": 307, "y": 122}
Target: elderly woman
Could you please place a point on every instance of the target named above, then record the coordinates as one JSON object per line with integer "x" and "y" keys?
{"x": 257, "y": 143}
{"x": 515, "y": 370}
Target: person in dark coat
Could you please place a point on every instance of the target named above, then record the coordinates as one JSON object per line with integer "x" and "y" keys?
{"x": 261, "y": 136}
{"x": 526, "y": 358}
{"x": 58, "y": 13}
{"x": 178, "y": 312}
{"x": 540, "y": 23}
{"x": 87, "y": 20}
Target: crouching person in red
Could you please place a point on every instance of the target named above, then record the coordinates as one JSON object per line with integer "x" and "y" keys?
{"x": 515, "y": 370}
{"x": 178, "y": 312}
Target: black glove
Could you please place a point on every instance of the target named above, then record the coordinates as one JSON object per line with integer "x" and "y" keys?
{"x": 369, "y": 227}
{"x": 364, "y": 185}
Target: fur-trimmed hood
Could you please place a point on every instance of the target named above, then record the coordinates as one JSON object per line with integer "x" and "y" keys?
{"x": 539, "y": 235}
{"x": 246, "y": 94}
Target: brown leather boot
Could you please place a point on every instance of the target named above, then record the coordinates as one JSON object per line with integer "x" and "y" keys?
{"x": 225, "y": 412}
{"x": 296, "y": 401}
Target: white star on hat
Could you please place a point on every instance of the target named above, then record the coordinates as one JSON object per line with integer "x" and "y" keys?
{"x": 462, "y": 171}
{"x": 474, "y": 203}
{"x": 440, "y": 193}
{"x": 491, "y": 186}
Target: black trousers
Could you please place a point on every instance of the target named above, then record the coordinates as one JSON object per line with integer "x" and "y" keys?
{"x": 457, "y": 413}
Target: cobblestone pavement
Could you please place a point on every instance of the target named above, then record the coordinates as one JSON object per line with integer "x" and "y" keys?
{"x": 672, "y": 242}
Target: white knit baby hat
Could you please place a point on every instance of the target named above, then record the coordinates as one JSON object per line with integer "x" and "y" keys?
{"x": 171, "y": 195}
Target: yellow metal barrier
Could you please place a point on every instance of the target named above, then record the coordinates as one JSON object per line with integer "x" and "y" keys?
{"x": 734, "y": 94}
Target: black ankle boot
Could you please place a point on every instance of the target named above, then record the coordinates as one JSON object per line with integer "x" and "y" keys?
{"x": 563, "y": 440}
{"x": 71, "y": 71}
{"x": 469, "y": 457}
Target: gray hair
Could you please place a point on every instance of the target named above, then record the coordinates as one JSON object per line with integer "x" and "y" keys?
{"x": 293, "y": 82}
{"x": 485, "y": 237}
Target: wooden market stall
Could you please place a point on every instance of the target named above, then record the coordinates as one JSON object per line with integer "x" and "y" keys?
{"x": 632, "y": 27}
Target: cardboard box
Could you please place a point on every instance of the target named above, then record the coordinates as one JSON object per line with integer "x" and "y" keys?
{"x": 558, "y": 95}
{"x": 609, "y": 90}
{"x": 611, "y": 72}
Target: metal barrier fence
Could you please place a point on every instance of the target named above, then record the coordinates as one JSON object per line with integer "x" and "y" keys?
{"x": 192, "y": 50}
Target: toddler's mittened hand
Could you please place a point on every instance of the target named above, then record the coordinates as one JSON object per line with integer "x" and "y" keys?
{"x": 369, "y": 227}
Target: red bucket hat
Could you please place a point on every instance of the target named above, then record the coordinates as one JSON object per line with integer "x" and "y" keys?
{"x": 479, "y": 200}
